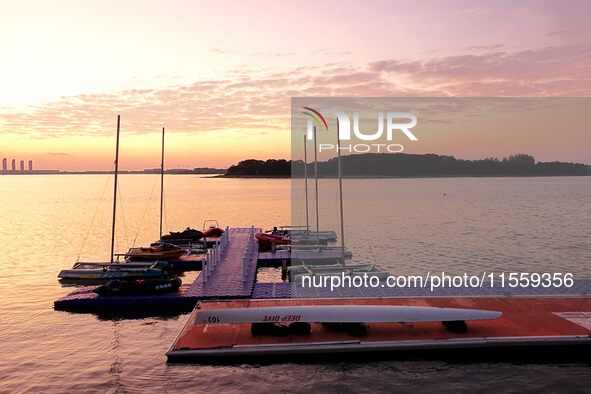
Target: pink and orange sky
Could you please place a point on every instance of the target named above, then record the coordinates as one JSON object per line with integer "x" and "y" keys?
{"x": 220, "y": 75}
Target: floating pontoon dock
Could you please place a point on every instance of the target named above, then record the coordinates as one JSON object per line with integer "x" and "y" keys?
{"x": 560, "y": 323}
{"x": 229, "y": 272}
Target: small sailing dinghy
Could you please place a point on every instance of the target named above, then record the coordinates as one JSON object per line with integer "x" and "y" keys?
{"x": 104, "y": 271}
{"x": 99, "y": 272}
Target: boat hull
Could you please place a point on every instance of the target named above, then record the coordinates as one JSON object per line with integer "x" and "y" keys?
{"x": 104, "y": 275}
{"x": 141, "y": 255}
{"x": 138, "y": 287}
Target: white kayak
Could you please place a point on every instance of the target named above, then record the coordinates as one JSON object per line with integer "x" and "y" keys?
{"x": 342, "y": 314}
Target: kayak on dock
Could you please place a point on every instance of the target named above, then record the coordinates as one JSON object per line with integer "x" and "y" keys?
{"x": 313, "y": 326}
{"x": 341, "y": 314}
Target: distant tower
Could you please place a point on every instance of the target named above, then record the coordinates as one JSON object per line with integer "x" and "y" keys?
{"x": 30, "y": 165}
{"x": 22, "y": 163}
{"x": 13, "y": 165}
{"x": 4, "y": 165}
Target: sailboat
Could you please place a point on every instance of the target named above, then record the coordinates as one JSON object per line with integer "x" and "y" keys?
{"x": 159, "y": 250}
{"x": 302, "y": 239}
{"x": 106, "y": 271}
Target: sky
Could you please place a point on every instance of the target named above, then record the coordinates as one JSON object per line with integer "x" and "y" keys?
{"x": 220, "y": 75}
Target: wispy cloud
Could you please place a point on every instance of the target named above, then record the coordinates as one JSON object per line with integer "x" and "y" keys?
{"x": 261, "y": 53}
{"x": 257, "y": 101}
{"x": 550, "y": 71}
{"x": 474, "y": 11}
{"x": 558, "y": 33}
{"x": 484, "y": 47}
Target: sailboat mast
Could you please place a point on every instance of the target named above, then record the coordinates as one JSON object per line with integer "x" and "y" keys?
{"x": 115, "y": 189}
{"x": 340, "y": 192}
{"x": 306, "y": 181}
{"x": 316, "y": 185}
{"x": 162, "y": 185}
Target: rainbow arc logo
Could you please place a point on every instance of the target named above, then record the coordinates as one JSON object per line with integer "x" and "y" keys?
{"x": 316, "y": 117}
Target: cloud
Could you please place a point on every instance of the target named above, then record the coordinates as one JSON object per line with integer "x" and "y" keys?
{"x": 485, "y": 47}
{"x": 558, "y": 33}
{"x": 550, "y": 71}
{"x": 473, "y": 11}
{"x": 222, "y": 51}
{"x": 259, "y": 101}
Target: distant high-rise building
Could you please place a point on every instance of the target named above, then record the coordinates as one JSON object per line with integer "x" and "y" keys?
{"x": 22, "y": 163}
{"x": 13, "y": 165}
{"x": 4, "y": 165}
{"x": 30, "y": 165}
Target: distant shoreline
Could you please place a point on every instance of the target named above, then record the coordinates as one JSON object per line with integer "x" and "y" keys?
{"x": 107, "y": 173}
{"x": 217, "y": 176}
{"x": 253, "y": 176}
{"x": 366, "y": 166}
{"x": 402, "y": 176}
{"x": 404, "y": 165}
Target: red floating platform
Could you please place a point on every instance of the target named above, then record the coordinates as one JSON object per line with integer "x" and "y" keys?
{"x": 526, "y": 322}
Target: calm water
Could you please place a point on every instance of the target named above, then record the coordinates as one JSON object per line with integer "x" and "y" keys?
{"x": 405, "y": 225}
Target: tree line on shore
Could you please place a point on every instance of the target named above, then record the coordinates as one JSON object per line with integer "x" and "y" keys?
{"x": 409, "y": 165}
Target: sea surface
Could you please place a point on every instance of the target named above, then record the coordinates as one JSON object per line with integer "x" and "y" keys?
{"x": 47, "y": 222}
